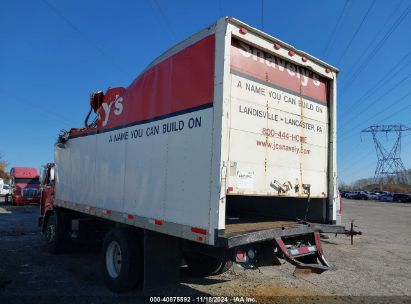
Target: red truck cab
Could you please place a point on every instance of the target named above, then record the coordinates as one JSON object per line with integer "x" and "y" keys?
{"x": 25, "y": 185}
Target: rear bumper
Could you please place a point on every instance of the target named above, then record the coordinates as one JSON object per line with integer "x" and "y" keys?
{"x": 230, "y": 241}
{"x": 234, "y": 240}
{"x": 26, "y": 200}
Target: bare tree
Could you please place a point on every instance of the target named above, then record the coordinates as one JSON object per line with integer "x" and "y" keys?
{"x": 3, "y": 165}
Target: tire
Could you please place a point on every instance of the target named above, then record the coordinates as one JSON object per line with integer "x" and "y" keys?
{"x": 199, "y": 265}
{"x": 57, "y": 232}
{"x": 224, "y": 267}
{"x": 121, "y": 260}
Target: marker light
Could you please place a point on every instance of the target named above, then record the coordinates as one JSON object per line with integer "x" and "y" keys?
{"x": 243, "y": 31}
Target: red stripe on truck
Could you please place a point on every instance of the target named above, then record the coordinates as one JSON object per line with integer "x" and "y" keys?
{"x": 158, "y": 222}
{"x": 198, "y": 230}
{"x": 277, "y": 71}
{"x": 181, "y": 82}
{"x": 130, "y": 216}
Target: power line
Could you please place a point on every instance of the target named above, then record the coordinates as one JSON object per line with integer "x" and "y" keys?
{"x": 331, "y": 40}
{"x": 262, "y": 15}
{"x": 51, "y": 114}
{"x": 375, "y": 101}
{"x": 389, "y": 160}
{"x": 84, "y": 36}
{"x": 378, "y": 47}
{"x": 400, "y": 64}
{"x": 385, "y": 118}
{"x": 165, "y": 19}
{"x": 356, "y": 32}
{"x": 381, "y": 112}
{"x": 363, "y": 54}
{"x": 379, "y": 122}
{"x": 396, "y": 112}
{"x": 359, "y": 159}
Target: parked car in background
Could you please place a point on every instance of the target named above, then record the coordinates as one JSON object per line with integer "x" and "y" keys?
{"x": 361, "y": 195}
{"x": 358, "y": 195}
{"x": 382, "y": 193}
{"x": 4, "y": 190}
{"x": 386, "y": 197}
{"x": 343, "y": 193}
{"x": 398, "y": 197}
{"x": 351, "y": 194}
{"x": 372, "y": 195}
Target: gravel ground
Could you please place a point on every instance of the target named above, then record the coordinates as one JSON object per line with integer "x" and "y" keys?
{"x": 377, "y": 265}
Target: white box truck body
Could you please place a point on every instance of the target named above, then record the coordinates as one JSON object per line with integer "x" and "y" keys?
{"x": 226, "y": 136}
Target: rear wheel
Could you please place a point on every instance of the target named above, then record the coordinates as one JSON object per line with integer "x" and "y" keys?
{"x": 121, "y": 260}
{"x": 200, "y": 265}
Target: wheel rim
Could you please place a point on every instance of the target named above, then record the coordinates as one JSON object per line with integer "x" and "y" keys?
{"x": 50, "y": 233}
{"x": 113, "y": 259}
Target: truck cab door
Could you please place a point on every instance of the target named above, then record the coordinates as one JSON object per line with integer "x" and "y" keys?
{"x": 47, "y": 190}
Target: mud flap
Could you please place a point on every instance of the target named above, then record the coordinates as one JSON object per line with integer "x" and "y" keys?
{"x": 298, "y": 255}
{"x": 162, "y": 259}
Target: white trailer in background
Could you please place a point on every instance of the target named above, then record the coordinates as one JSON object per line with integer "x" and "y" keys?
{"x": 223, "y": 150}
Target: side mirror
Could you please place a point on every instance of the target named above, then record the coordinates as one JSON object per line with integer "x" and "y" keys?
{"x": 52, "y": 175}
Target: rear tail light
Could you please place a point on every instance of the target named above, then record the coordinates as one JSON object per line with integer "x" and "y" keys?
{"x": 251, "y": 254}
{"x": 245, "y": 255}
{"x": 240, "y": 256}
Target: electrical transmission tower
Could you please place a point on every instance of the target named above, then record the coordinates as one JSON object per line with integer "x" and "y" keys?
{"x": 389, "y": 166}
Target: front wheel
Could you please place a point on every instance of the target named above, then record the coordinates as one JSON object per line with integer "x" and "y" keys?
{"x": 57, "y": 232}
{"x": 121, "y": 260}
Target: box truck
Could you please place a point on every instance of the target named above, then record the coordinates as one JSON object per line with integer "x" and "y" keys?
{"x": 222, "y": 150}
{"x": 25, "y": 185}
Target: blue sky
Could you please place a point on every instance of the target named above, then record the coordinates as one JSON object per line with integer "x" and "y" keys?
{"x": 53, "y": 54}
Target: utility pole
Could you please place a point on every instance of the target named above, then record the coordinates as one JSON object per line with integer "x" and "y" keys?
{"x": 389, "y": 164}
